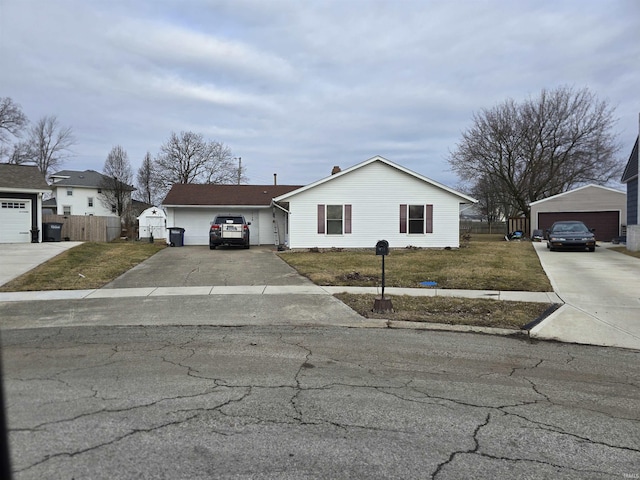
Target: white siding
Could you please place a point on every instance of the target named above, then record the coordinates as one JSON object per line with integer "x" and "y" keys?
{"x": 197, "y": 220}
{"x": 79, "y": 201}
{"x": 375, "y": 192}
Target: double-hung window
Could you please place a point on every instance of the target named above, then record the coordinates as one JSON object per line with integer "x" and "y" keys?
{"x": 416, "y": 219}
{"x": 334, "y": 219}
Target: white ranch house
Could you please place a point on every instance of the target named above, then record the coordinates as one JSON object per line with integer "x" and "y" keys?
{"x": 354, "y": 208}
{"x": 374, "y": 200}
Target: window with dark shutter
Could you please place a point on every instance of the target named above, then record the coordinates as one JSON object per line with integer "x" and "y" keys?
{"x": 347, "y": 219}
{"x": 428, "y": 219}
{"x": 403, "y": 219}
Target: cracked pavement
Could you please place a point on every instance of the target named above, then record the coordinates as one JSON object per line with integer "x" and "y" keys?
{"x": 196, "y": 402}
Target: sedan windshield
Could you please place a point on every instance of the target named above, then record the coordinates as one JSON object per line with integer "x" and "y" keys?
{"x": 570, "y": 228}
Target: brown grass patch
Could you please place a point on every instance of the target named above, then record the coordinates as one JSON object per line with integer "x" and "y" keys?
{"x": 450, "y": 310}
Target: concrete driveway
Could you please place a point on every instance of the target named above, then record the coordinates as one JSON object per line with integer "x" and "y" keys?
{"x": 18, "y": 258}
{"x": 194, "y": 266}
{"x": 601, "y": 291}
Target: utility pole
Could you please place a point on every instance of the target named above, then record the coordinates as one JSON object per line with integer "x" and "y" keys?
{"x": 239, "y": 169}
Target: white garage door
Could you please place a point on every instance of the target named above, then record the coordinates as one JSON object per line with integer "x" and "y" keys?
{"x": 15, "y": 218}
{"x": 197, "y": 222}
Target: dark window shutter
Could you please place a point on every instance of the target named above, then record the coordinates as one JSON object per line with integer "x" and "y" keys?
{"x": 321, "y": 221}
{"x": 347, "y": 219}
{"x": 428, "y": 217}
{"x": 403, "y": 219}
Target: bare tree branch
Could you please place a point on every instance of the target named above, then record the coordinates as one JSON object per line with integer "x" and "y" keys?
{"x": 49, "y": 144}
{"x": 12, "y": 120}
{"x": 144, "y": 180}
{"x": 116, "y": 181}
{"x": 540, "y": 147}
{"x": 188, "y": 158}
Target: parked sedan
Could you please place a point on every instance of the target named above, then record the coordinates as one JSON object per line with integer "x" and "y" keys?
{"x": 570, "y": 234}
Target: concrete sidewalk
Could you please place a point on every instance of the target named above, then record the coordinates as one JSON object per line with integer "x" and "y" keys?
{"x": 539, "y": 297}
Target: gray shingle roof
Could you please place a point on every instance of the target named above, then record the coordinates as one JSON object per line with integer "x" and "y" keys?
{"x": 26, "y": 177}
{"x": 74, "y": 178}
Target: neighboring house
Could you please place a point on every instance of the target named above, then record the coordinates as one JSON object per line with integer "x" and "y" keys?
{"x": 193, "y": 207}
{"x": 21, "y": 190}
{"x": 374, "y": 200}
{"x": 152, "y": 222}
{"x": 80, "y": 193}
{"x": 601, "y": 208}
{"x": 630, "y": 177}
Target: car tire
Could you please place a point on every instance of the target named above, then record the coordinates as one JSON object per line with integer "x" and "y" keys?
{"x": 247, "y": 246}
{"x": 592, "y": 249}
{"x": 212, "y": 247}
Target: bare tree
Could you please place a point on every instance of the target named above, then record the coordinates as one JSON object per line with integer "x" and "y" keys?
{"x": 49, "y": 144}
{"x": 145, "y": 181}
{"x": 116, "y": 181}
{"x": 188, "y": 158}
{"x": 541, "y": 147}
{"x": 12, "y": 120}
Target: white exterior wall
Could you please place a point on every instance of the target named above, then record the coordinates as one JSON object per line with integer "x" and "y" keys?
{"x": 79, "y": 202}
{"x": 375, "y": 192}
{"x": 152, "y": 224}
{"x": 197, "y": 220}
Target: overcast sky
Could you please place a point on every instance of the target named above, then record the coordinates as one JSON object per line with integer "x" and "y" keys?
{"x": 295, "y": 87}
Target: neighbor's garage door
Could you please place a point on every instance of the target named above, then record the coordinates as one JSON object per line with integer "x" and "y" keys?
{"x": 606, "y": 224}
{"x": 15, "y": 220}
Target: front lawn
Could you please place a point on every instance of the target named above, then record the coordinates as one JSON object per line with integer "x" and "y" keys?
{"x": 488, "y": 262}
{"x": 89, "y": 265}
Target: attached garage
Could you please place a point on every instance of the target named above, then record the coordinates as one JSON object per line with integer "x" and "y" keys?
{"x": 600, "y": 208}
{"x": 21, "y": 191}
{"x": 15, "y": 218}
{"x": 194, "y": 207}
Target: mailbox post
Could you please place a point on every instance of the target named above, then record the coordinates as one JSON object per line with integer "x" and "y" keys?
{"x": 382, "y": 305}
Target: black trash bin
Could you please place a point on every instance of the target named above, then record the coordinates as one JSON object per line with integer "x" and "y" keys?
{"x": 51, "y": 232}
{"x": 176, "y": 236}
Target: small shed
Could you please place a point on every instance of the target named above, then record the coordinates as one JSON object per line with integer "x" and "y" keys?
{"x": 600, "y": 208}
{"x": 152, "y": 222}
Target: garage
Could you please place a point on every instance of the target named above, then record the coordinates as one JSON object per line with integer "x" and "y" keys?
{"x": 15, "y": 218}
{"x": 606, "y": 224}
{"x": 600, "y": 208}
{"x": 193, "y": 207}
{"x": 197, "y": 221}
{"x": 21, "y": 190}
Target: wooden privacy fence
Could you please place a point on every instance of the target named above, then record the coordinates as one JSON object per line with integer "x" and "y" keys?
{"x": 86, "y": 228}
{"x": 467, "y": 226}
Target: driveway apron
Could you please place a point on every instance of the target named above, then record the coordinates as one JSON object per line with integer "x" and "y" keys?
{"x": 601, "y": 294}
{"x": 193, "y": 266}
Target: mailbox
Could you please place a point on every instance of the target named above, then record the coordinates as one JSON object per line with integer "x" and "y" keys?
{"x": 382, "y": 247}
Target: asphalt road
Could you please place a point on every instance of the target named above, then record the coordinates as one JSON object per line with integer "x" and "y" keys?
{"x": 200, "y": 402}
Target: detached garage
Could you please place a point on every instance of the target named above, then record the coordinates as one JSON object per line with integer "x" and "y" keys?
{"x": 21, "y": 190}
{"x": 600, "y": 208}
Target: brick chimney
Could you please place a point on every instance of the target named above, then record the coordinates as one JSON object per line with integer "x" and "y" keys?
{"x": 335, "y": 170}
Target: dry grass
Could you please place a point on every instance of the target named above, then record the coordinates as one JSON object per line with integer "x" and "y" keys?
{"x": 448, "y": 310}
{"x": 487, "y": 263}
{"x": 89, "y": 265}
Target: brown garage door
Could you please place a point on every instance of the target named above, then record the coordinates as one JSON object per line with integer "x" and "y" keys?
{"x": 606, "y": 224}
